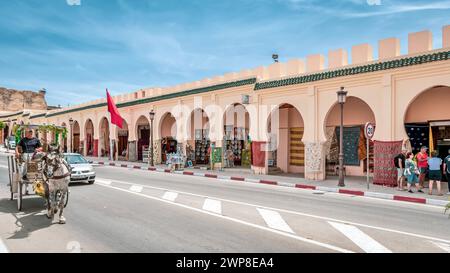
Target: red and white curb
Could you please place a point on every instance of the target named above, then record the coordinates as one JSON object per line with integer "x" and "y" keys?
{"x": 387, "y": 196}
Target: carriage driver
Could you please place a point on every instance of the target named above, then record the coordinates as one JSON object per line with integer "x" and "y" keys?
{"x": 26, "y": 148}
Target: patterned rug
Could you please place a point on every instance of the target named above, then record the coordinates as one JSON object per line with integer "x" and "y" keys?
{"x": 351, "y": 145}
{"x": 385, "y": 172}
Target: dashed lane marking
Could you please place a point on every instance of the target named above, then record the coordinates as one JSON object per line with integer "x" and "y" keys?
{"x": 136, "y": 188}
{"x": 364, "y": 241}
{"x": 274, "y": 220}
{"x": 213, "y": 206}
{"x": 170, "y": 196}
{"x": 292, "y": 236}
{"x": 431, "y": 238}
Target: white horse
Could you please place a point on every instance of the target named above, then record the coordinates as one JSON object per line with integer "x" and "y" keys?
{"x": 57, "y": 172}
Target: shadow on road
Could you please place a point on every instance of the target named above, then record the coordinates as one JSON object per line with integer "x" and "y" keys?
{"x": 31, "y": 218}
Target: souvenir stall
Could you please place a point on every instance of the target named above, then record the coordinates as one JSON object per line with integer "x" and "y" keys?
{"x": 202, "y": 144}
{"x": 236, "y": 151}
{"x": 168, "y": 146}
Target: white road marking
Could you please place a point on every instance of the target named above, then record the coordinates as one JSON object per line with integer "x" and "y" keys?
{"x": 274, "y": 220}
{"x": 292, "y": 236}
{"x": 4, "y": 166}
{"x": 307, "y": 214}
{"x": 3, "y": 248}
{"x": 136, "y": 188}
{"x": 364, "y": 241}
{"x": 442, "y": 246}
{"x": 106, "y": 182}
{"x": 170, "y": 196}
{"x": 213, "y": 206}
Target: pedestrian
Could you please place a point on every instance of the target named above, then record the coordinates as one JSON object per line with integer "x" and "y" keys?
{"x": 446, "y": 170}
{"x": 422, "y": 164}
{"x": 435, "y": 175}
{"x": 411, "y": 172}
{"x": 399, "y": 162}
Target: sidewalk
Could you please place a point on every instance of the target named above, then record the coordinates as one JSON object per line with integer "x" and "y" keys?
{"x": 354, "y": 185}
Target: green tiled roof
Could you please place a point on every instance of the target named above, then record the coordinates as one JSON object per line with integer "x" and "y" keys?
{"x": 439, "y": 56}
{"x": 164, "y": 97}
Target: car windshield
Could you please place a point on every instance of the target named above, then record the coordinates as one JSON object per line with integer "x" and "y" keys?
{"x": 75, "y": 159}
{"x": 11, "y": 138}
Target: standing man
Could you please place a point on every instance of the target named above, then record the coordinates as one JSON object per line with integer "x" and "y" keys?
{"x": 26, "y": 148}
{"x": 447, "y": 170}
{"x": 422, "y": 164}
{"x": 399, "y": 162}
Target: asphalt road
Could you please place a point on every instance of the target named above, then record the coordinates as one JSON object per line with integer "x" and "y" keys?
{"x": 130, "y": 210}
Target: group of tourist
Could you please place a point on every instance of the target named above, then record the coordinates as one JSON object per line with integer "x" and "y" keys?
{"x": 414, "y": 169}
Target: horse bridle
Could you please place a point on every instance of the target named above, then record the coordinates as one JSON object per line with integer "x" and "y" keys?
{"x": 55, "y": 168}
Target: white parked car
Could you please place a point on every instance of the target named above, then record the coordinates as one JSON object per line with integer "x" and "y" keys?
{"x": 11, "y": 143}
{"x": 82, "y": 170}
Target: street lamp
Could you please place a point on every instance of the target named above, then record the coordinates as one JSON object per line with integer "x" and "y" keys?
{"x": 152, "y": 117}
{"x": 71, "y": 135}
{"x": 342, "y": 96}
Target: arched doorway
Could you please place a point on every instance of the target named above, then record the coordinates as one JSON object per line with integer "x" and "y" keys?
{"x": 89, "y": 137}
{"x": 286, "y": 151}
{"x": 122, "y": 138}
{"x": 427, "y": 120}
{"x": 143, "y": 136}
{"x": 168, "y": 130}
{"x": 104, "y": 141}
{"x": 198, "y": 137}
{"x": 6, "y": 133}
{"x": 237, "y": 152}
{"x": 356, "y": 114}
{"x": 76, "y": 147}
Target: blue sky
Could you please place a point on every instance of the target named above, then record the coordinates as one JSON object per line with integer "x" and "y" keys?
{"x": 76, "y": 51}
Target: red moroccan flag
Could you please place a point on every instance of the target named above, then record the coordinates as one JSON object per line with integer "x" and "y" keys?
{"x": 112, "y": 109}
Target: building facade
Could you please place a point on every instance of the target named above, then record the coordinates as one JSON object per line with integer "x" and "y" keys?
{"x": 280, "y": 118}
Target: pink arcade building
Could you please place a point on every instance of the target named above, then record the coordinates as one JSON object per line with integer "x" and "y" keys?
{"x": 281, "y": 118}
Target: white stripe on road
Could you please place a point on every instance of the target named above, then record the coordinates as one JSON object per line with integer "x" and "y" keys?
{"x": 274, "y": 220}
{"x": 136, "y": 188}
{"x": 4, "y": 166}
{"x": 170, "y": 196}
{"x": 361, "y": 239}
{"x": 106, "y": 182}
{"x": 292, "y": 236}
{"x": 213, "y": 206}
{"x": 3, "y": 248}
{"x": 302, "y": 213}
{"x": 442, "y": 246}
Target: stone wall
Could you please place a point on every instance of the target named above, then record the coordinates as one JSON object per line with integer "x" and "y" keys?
{"x": 14, "y": 100}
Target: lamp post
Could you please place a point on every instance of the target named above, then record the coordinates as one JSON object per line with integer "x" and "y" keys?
{"x": 152, "y": 117}
{"x": 71, "y": 135}
{"x": 342, "y": 96}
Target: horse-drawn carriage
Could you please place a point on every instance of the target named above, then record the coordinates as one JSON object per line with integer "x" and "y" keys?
{"x": 46, "y": 174}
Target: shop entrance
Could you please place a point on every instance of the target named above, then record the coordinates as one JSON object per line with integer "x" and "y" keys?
{"x": 89, "y": 138}
{"x": 427, "y": 121}
{"x": 143, "y": 134}
{"x": 168, "y": 129}
{"x": 356, "y": 114}
{"x": 76, "y": 138}
{"x": 122, "y": 141}
{"x": 237, "y": 151}
{"x": 197, "y": 150}
{"x": 287, "y": 151}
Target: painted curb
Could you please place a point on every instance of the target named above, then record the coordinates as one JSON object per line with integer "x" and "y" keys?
{"x": 377, "y": 195}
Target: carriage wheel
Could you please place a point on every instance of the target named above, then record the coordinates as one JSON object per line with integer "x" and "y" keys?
{"x": 67, "y": 199}
{"x": 19, "y": 196}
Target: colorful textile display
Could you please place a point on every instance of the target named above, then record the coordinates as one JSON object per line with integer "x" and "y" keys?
{"x": 333, "y": 155}
{"x": 418, "y": 135}
{"x": 385, "y": 172}
{"x": 351, "y": 145}
{"x": 329, "y": 134}
{"x": 258, "y": 153}
{"x": 362, "y": 146}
